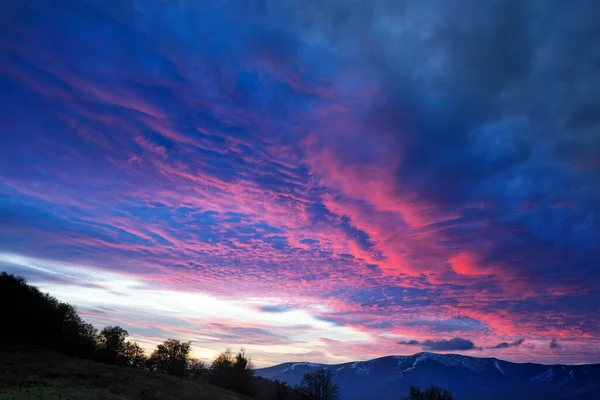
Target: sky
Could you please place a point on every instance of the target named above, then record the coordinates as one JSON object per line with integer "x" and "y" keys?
{"x": 313, "y": 180}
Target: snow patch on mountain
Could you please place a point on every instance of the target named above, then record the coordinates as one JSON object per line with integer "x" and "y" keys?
{"x": 335, "y": 371}
{"x": 545, "y": 377}
{"x": 400, "y": 359}
{"x": 361, "y": 368}
{"x": 454, "y": 360}
{"x": 569, "y": 377}
{"x": 499, "y": 367}
{"x": 421, "y": 358}
{"x": 406, "y": 370}
{"x": 301, "y": 364}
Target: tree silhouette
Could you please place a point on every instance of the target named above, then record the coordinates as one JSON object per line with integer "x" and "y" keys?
{"x": 134, "y": 355}
{"x": 432, "y": 393}
{"x": 221, "y": 370}
{"x": 112, "y": 345}
{"x": 196, "y": 369}
{"x": 232, "y": 372}
{"x": 282, "y": 391}
{"x": 113, "y": 348}
{"x": 242, "y": 373}
{"x": 171, "y": 357}
{"x": 319, "y": 385}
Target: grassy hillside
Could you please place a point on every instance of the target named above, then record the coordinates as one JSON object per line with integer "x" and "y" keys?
{"x": 36, "y": 373}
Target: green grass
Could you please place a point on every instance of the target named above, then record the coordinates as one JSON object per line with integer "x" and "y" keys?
{"x": 35, "y": 373}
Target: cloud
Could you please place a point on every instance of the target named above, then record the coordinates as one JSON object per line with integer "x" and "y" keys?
{"x": 457, "y": 344}
{"x": 506, "y": 345}
{"x": 449, "y": 345}
{"x": 278, "y": 308}
{"x": 555, "y": 345}
{"x": 411, "y": 342}
{"x": 454, "y": 344}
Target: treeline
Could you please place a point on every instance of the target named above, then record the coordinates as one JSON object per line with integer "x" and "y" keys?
{"x": 432, "y": 393}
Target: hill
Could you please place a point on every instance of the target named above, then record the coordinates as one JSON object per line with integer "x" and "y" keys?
{"x": 30, "y": 372}
{"x": 468, "y": 378}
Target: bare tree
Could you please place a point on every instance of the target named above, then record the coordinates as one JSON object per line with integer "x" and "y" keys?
{"x": 433, "y": 393}
{"x": 134, "y": 355}
{"x": 319, "y": 385}
{"x": 196, "y": 369}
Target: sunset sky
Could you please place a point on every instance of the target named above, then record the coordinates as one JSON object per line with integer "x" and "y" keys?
{"x": 313, "y": 180}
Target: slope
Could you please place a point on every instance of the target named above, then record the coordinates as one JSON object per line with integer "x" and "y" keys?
{"x": 28, "y": 372}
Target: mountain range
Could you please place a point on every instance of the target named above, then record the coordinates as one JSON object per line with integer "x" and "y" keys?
{"x": 468, "y": 378}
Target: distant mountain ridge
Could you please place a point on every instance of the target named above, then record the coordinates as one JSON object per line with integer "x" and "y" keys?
{"x": 469, "y": 378}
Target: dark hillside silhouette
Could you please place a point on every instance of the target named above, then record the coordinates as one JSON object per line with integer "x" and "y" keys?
{"x": 29, "y": 372}
{"x": 32, "y": 317}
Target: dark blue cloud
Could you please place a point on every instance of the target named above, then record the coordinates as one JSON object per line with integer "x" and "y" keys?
{"x": 555, "y": 345}
{"x": 454, "y": 344}
{"x": 279, "y": 308}
{"x": 506, "y": 345}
